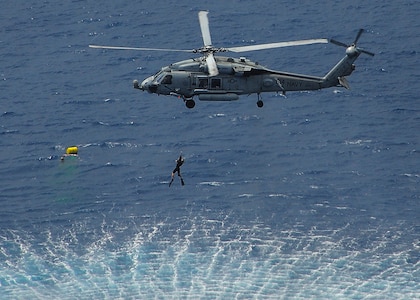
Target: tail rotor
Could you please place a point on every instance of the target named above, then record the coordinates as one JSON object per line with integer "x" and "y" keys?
{"x": 353, "y": 49}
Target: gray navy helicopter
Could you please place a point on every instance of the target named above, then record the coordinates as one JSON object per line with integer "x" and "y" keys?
{"x": 219, "y": 78}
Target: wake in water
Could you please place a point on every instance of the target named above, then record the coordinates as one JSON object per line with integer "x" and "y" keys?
{"x": 200, "y": 257}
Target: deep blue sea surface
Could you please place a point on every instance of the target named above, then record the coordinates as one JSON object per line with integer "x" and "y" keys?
{"x": 315, "y": 195}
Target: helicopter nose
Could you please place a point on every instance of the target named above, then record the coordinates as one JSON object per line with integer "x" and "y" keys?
{"x": 147, "y": 85}
{"x": 152, "y": 88}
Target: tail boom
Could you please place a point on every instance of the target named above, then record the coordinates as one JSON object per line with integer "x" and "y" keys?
{"x": 336, "y": 77}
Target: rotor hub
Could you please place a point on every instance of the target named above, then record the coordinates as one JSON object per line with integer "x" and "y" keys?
{"x": 352, "y": 51}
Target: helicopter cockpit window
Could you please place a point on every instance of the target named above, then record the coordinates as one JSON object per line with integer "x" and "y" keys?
{"x": 159, "y": 76}
{"x": 167, "y": 79}
{"x": 216, "y": 83}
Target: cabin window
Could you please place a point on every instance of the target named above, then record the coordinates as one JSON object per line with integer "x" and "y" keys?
{"x": 216, "y": 83}
{"x": 203, "y": 83}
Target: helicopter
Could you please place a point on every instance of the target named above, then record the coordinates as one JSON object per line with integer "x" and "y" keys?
{"x": 220, "y": 78}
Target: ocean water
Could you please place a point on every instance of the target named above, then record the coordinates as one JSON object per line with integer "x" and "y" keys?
{"x": 316, "y": 195}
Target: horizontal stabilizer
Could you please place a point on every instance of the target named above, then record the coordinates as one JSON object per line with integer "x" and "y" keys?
{"x": 343, "y": 81}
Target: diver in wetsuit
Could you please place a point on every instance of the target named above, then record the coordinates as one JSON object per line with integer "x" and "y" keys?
{"x": 177, "y": 169}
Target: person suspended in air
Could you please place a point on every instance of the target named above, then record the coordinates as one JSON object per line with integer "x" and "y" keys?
{"x": 177, "y": 169}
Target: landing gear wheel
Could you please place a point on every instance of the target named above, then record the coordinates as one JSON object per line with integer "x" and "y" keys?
{"x": 260, "y": 103}
{"x": 190, "y": 103}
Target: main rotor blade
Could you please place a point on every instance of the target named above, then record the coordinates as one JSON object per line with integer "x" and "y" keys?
{"x": 211, "y": 65}
{"x": 138, "y": 49}
{"x": 277, "y": 45}
{"x": 204, "y": 25}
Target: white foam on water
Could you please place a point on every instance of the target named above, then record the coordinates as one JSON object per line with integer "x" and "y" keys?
{"x": 207, "y": 258}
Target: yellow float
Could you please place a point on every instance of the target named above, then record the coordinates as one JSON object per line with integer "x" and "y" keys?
{"x": 72, "y": 150}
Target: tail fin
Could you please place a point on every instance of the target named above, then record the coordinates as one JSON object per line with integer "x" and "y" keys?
{"x": 336, "y": 77}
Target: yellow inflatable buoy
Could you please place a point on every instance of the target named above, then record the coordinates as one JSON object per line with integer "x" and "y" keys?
{"x": 72, "y": 150}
